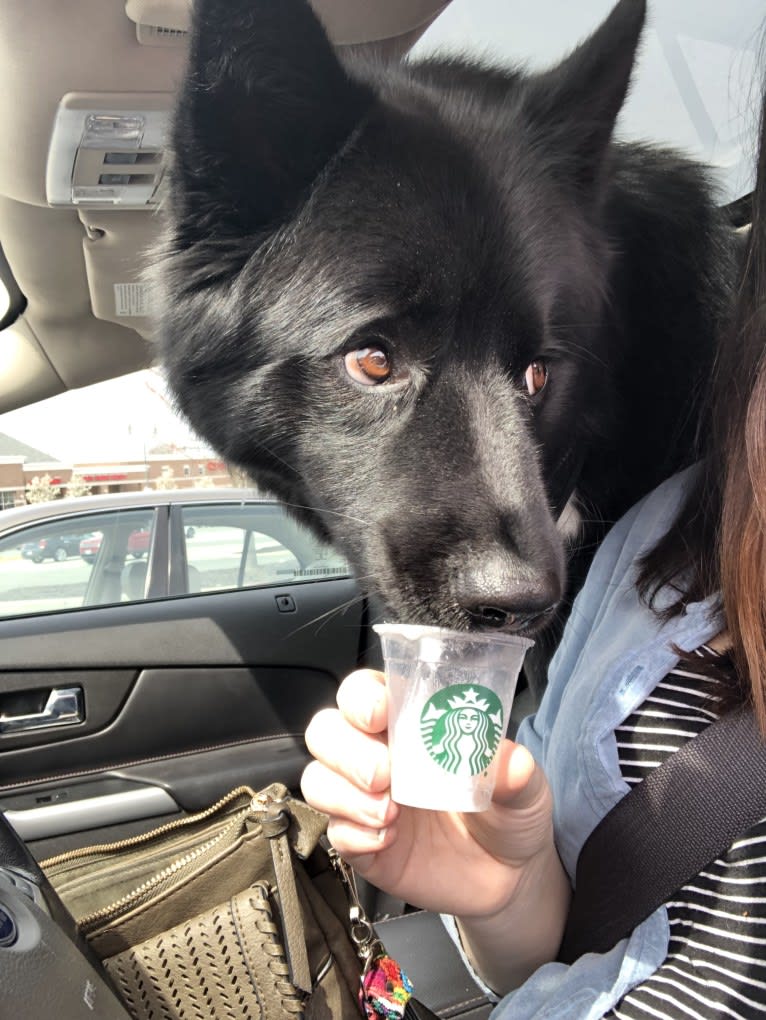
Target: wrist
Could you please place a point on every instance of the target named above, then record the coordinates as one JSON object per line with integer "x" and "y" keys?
{"x": 506, "y": 946}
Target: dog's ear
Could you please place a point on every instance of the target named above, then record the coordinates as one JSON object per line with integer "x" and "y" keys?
{"x": 576, "y": 103}
{"x": 264, "y": 105}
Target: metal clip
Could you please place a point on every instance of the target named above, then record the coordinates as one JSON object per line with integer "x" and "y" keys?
{"x": 367, "y": 944}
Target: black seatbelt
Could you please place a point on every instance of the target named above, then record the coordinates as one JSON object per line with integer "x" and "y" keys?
{"x": 687, "y": 812}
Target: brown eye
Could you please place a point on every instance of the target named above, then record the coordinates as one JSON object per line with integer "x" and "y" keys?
{"x": 535, "y": 377}
{"x": 368, "y": 365}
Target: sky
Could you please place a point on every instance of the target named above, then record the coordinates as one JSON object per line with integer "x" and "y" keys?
{"x": 115, "y": 420}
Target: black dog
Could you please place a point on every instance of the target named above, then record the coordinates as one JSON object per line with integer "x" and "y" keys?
{"x": 425, "y": 303}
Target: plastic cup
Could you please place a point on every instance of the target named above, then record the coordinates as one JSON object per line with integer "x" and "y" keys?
{"x": 449, "y": 700}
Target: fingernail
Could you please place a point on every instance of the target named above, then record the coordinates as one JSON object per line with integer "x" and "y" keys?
{"x": 372, "y": 709}
{"x": 380, "y": 810}
{"x": 368, "y": 776}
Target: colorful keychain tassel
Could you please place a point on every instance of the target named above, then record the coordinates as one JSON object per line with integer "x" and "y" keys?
{"x": 386, "y": 989}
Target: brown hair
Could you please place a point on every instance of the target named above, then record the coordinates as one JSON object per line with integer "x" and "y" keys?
{"x": 718, "y": 541}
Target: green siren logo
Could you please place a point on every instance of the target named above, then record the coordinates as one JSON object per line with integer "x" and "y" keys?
{"x": 461, "y": 727}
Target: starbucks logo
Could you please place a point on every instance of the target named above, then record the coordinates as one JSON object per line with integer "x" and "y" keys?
{"x": 461, "y": 727}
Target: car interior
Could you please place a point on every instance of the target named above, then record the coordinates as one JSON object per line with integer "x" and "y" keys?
{"x": 184, "y": 686}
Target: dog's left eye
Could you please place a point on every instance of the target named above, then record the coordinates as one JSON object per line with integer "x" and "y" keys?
{"x": 368, "y": 365}
{"x": 535, "y": 376}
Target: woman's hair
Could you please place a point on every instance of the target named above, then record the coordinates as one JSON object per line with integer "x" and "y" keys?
{"x": 718, "y": 542}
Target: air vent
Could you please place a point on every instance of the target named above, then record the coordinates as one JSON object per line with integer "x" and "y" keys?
{"x": 156, "y": 35}
{"x": 160, "y": 22}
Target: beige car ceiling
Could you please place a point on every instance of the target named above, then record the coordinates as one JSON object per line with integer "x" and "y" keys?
{"x": 75, "y": 264}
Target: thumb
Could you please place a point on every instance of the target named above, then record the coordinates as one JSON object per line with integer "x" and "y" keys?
{"x": 520, "y": 783}
{"x": 519, "y": 823}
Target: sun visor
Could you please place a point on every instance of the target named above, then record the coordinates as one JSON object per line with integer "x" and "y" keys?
{"x": 117, "y": 292}
{"x": 348, "y": 22}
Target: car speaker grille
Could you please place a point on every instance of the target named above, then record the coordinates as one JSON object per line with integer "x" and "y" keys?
{"x": 157, "y": 35}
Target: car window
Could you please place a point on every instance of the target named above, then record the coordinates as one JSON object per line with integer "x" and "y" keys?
{"x": 252, "y": 545}
{"x": 74, "y": 562}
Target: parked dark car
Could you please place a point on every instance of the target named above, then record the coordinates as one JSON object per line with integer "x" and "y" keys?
{"x": 52, "y": 547}
{"x": 30, "y": 551}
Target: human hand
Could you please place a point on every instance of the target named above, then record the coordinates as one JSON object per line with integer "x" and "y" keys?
{"x": 465, "y": 864}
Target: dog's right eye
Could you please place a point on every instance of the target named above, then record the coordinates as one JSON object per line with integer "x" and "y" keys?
{"x": 369, "y": 366}
{"x": 535, "y": 377}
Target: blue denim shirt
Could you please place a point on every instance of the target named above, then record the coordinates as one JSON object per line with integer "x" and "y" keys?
{"x": 613, "y": 653}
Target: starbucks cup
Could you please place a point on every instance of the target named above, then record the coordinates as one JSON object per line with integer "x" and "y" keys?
{"x": 449, "y": 701}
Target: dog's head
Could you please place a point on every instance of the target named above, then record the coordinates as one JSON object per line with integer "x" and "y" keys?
{"x": 380, "y": 294}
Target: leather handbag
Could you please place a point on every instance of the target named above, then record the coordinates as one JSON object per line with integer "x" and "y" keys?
{"x": 242, "y": 910}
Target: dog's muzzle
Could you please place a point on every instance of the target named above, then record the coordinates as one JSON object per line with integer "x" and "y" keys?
{"x": 495, "y": 618}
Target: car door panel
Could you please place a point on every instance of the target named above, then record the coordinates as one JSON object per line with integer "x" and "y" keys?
{"x": 221, "y": 628}
{"x": 39, "y": 813}
{"x": 192, "y": 695}
{"x": 181, "y": 710}
{"x": 23, "y": 695}
{"x": 193, "y": 781}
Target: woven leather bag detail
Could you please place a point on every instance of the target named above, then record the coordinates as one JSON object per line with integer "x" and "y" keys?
{"x": 225, "y": 964}
{"x": 290, "y": 999}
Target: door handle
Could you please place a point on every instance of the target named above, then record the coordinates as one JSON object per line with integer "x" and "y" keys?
{"x": 64, "y": 707}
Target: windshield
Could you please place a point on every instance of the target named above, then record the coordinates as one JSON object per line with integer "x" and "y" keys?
{"x": 696, "y": 84}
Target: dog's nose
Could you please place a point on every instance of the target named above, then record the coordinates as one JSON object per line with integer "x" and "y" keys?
{"x": 497, "y": 618}
{"x": 510, "y": 604}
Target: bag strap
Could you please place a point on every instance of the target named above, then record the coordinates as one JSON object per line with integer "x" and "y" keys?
{"x": 683, "y": 815}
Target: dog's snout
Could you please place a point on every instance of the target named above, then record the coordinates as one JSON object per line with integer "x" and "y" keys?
{"x": 493, "y": 598}
{"x": 490, "y": 616}
{"x": 498, "y": 618}
{"x": 481, "y": 569}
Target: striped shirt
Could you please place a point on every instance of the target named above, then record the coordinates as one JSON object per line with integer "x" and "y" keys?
{"x": 716, "y": 962}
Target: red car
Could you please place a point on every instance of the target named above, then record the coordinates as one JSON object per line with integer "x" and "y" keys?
{"x": 138, "y": 545}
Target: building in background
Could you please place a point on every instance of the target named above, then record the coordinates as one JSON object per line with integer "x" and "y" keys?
{"x": 168, "y": 468}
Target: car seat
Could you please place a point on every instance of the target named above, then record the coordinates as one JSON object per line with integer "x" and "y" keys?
{"x": 134, "y": 581}
{"x": 195, "y": 579}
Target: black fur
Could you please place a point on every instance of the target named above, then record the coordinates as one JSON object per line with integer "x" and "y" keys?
{"x": 470, "y": 220}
